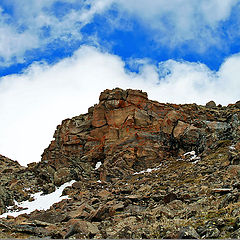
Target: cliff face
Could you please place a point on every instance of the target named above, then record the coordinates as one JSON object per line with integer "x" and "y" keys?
{"x": 171, "y": 169}
{"x": 128, "y": 133}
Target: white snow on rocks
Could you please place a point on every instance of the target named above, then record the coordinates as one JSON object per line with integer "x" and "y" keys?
{"x": 232, "y": 147}
{"x": 147, "y": 170}
{"x": 40, "y": 202}
{"x": 98, "y": 164}
{"x": 191, "y": 156}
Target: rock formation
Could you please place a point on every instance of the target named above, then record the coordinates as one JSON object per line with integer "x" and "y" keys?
{"x": 143, "y": 169}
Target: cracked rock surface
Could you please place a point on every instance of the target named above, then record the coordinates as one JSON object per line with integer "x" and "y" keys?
{"x": 142, "y": 169}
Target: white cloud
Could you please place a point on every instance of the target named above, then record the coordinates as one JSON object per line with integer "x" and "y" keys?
{"x": 176, "y": 21}
{"x": 34, "y": 24}
{"x": 168, "y": 22}
{"x": 187, "y": 11}
{"x": 14, "y": 44}
{"x": 221, "y": 10}
{"x": 35, "y": 102}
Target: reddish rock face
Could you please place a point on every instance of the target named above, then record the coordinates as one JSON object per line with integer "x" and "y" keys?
{"x": 140, "y": 167}
{"x": 99, "y": 119}
{"x": 180, "y": 129}
{"x": 127, "y": 132}
{"x": 117, "y": 117}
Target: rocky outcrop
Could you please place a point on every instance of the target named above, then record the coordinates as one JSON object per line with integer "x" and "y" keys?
{"x": 126, "y": 132}
{"x": 143, "y": 169}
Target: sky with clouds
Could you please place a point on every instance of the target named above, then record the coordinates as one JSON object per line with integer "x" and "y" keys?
{"x": 56, "y": 56}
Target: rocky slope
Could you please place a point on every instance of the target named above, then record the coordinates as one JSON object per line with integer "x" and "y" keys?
{"x": 143, "y": 169}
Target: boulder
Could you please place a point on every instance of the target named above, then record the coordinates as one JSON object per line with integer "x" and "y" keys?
{"x": 237, "y": 104}
{"x": 84, "y": 229}
{"x": 211, "y": 104}
{"x": 188, "y": 233}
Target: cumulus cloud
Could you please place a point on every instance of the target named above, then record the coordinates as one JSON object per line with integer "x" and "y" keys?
{"x": 35, "y": 102}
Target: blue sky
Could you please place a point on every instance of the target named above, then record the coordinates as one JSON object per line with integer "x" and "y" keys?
{"x": 204, "y": 31}
{"x": 56, "y": 56}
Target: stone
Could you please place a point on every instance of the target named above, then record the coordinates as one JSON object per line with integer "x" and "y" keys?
{"x": 115, "y": 94}
{"x": 234, "y": 170}
{"x": 113, "y": 104}
{"x": 180, "y": 129}
{"x": 211, "y": 232}
{"x": 5, "y": 199}
{"x": 99, "y": 133}
{"x": 48, "y": 188}
{"x": 100, "y": 214}
{"x": 191, "y": 137}
{"x": 222, "y": 190}
{"x": 50, "y": 216}
{"x": 61, "y": 176}
{"x": 86, "y": 229}
{"x": 237, "y": 104}
{"x": 117, "y": 207}
{"x": 236, "y": 234}
{"x": 81, "y": 211}
{"x": 170, "y": 121}
{"x": 104, "y": 194}
{"x": 117, "y": 117}
{"x": 188, "y": 233}
{"x": 137, "y": 97}
{"x": 169, "y": 197}
{"x": 99, "y": 119}
{"x": 141, "y": 118}
{"x": 211, "y": 104}
{"x": 237, "y": 146}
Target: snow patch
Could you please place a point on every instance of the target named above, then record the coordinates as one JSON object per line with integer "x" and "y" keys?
{"x": 41, "y": 202}
{"x": 232, "y": 148}
{"x": 191, "y": 157}
{"x": 98, "y": 164}
{"x": 192, "y": 153}
{"x": 147, "y": 170}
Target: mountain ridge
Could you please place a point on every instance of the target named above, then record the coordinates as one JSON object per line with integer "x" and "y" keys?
{"x": 154, "y": 160}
